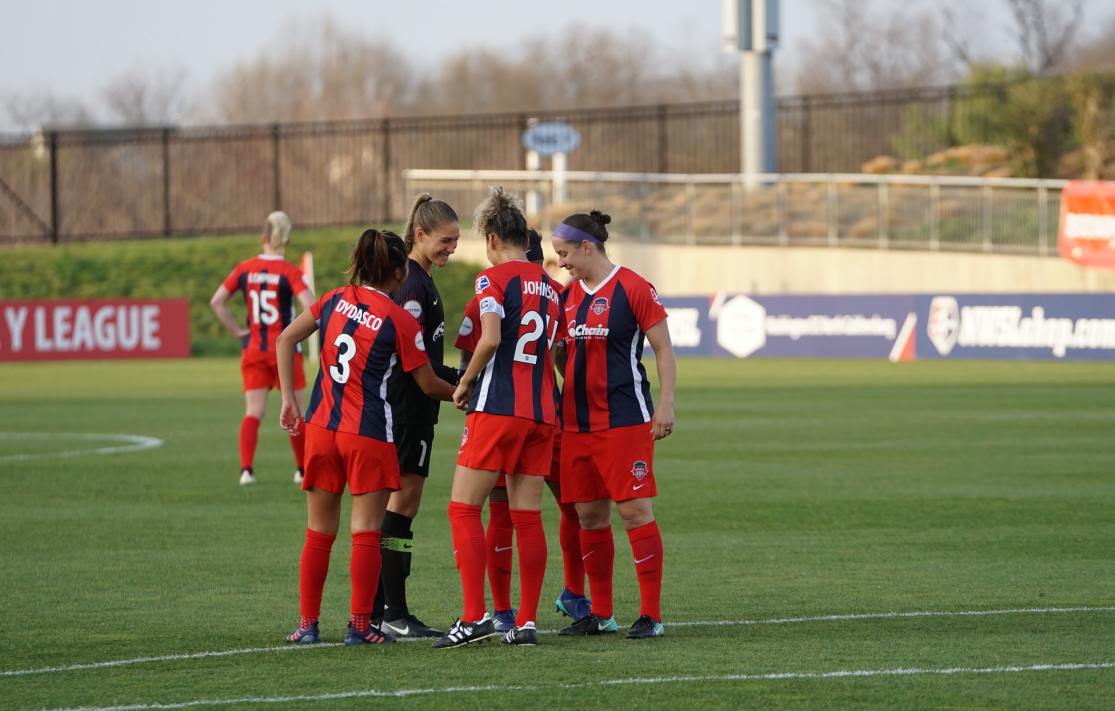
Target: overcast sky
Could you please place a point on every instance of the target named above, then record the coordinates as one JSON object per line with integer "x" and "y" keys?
{"x": 73, "y": 47}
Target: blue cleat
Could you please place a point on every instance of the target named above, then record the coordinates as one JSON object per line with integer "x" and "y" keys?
{"x": 304, "y": 635}
{"x": 373, "y": 635}
{"x": 575, "y": 607}
{"x": 504, "y": 620}
{"x": 646, "y": 628}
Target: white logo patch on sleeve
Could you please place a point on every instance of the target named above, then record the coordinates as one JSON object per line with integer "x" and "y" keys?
{"x": 488, "y": 305}
{"x": 413, "y": 308}
{"x": 482, "y": 283}
{"x": 466, "y": 327}
{"x": 419, "y": 343}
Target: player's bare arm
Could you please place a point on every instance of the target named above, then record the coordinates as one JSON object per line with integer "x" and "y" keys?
{"x": 485, "y": 350}
{"x": 290, "y": 416}
{"x": 431, "y": 384}
{"x": 219, "y": 304}
{"x": 659, "y": 338}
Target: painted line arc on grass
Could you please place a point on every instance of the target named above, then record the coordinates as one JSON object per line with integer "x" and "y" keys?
{"x": 125, "y": 443}
{"x": 697, "y": 623}
{"x": 767, "y": 676}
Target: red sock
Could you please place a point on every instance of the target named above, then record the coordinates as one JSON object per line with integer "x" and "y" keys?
{"x": 470, "y": 551}
{"x": 249, "y": 436}
{"x": 646, "y": 547}
{"x": 569, "y": 533}
{"x": 298, "y": 446}
{"x": 598, "y": 554}
{"x": 500, "y": 531}
{"x": 312, "y": 570}
{"x": 531, "y": 540}
{"x": 364, "y": 571}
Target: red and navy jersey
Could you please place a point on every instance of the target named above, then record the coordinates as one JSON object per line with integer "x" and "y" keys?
{"x": 468, "y": 335}
{"x": 366, "y": 336}
{"x": 605, "y": 383}
{"x": 270, "y": 285}
{"x": 519, "y": 379}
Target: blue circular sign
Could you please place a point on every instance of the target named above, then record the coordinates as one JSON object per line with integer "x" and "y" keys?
{"x": 550, "y": 138}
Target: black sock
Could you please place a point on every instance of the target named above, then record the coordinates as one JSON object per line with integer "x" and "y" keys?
{"x": 396, "y": 544}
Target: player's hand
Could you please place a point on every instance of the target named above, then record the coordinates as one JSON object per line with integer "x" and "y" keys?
{"x": 663, "y": 423}
{"x": 290, "y": 417}
{"x": 461, "y": 395}
{"x": 243, "y": 333}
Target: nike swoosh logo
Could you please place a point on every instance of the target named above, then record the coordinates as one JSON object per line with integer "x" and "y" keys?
{"x": 402, "y": 631}
{"x": 636, "y": 488}
{"x": 435, "y": 302}
{"x": 500, "y": 549}
{"x": 586, "y": 555}
{"x": 644, "y": 560}
{"x": 570, "y": 308}
{"x": 601, "y": 626}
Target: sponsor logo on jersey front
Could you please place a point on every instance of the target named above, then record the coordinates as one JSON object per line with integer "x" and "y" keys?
{"x": 599, "y": 305}
{"x": 639, "y": 470}
{"x": 583, "y": 330}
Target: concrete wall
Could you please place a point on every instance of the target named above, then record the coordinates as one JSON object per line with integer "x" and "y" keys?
{"x": 681, "y": 270}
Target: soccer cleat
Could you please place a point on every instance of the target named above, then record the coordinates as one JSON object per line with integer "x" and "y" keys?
{"x": 304, "y": 635}
{"x": 465, "y": 633}
{"x": 504, "y": 620}
{"x": 575, "y": 607}
{"x": 410, "y": 627}
{"x": 645, "y": 628}
{"x": 373, "y": 635}
{"x": 590, "y": 625}
{"x": 525, "y": 636}
{"x": 247, "y": 477}
{"x": 298, "y": 476}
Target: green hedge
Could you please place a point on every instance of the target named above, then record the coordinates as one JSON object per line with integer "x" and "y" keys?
{"x": 191, "y": 268}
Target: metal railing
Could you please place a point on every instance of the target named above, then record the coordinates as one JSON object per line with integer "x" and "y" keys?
{"x": 921, "y": 212}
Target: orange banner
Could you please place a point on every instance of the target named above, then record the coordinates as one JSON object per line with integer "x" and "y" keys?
{"x": 1087, "y": 232}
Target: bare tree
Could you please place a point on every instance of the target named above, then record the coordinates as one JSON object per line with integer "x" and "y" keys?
{"x": 867, "y": 47}
{"x": 1044, "y": 31}
{"x": 147, "y": 97}
{"x": 45, "y": 110}
{"x": 315, "y": 70}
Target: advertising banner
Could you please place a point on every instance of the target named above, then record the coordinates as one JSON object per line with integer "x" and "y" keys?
{"x": 896, "y": 326}
{"x": 1087, "y": 231}
{"x": 94, "y": 329}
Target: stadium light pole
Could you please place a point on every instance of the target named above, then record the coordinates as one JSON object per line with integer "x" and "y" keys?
{"x": 751, "y": 28}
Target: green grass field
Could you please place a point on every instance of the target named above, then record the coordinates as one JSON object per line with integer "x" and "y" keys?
{"x": 978, "y": 497}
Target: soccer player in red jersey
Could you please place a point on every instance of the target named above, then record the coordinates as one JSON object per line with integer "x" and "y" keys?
{"x": 270, "y": 285}
{"x": 609, "y": 422}
{"x": 572, "y": 601}
{"x": 348, "y": 423}
{"x": 508, "y": 391}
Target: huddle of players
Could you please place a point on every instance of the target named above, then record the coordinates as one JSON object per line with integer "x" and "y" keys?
{"x": 371, "y": 415}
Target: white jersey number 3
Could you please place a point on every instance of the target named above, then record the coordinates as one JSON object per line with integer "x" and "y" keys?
{"x": 342, "y": 370}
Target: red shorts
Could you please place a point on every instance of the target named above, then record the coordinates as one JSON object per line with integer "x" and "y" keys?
{"x": 336, "y": 458}
{"x": 506, "y": 444}
{"x": 554, "y": 476}
{"x": 260, "y": 370}
{"x": 616, "y": 464}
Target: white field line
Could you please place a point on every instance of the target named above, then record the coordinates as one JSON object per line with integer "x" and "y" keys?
{"x": 129, "y": 443}
{"x": 704, "y": 679}
{"x": 706, "y": 623}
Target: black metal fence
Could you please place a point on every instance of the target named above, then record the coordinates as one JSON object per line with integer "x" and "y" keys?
{"x": 98, "y": 184}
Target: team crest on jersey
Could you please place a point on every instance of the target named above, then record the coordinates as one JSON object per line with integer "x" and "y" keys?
{"x": 599, "y": 305}
{"x": 482, "y": 283}
{"x": 639, "y": 470}
{"x": 654, "y": 295}
{"x": 439, "y": 332}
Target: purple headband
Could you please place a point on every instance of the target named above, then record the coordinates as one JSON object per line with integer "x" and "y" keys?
{"x": 572, "y": 234}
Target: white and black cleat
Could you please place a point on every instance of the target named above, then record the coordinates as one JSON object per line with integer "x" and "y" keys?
{"x": 247, "y": 477}
{"x": 525, "y": 636}
{"x": 462, "y": 634}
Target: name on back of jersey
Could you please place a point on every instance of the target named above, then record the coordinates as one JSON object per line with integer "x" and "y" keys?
{"x": 541, "y": 288}
{"x": 354, "y": 313}
{"x": 263, "y": 278}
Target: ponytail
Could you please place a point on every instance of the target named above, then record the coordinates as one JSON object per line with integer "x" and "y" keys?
{"x": 276, "y": 230}
{"x": 376, "y": 258}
